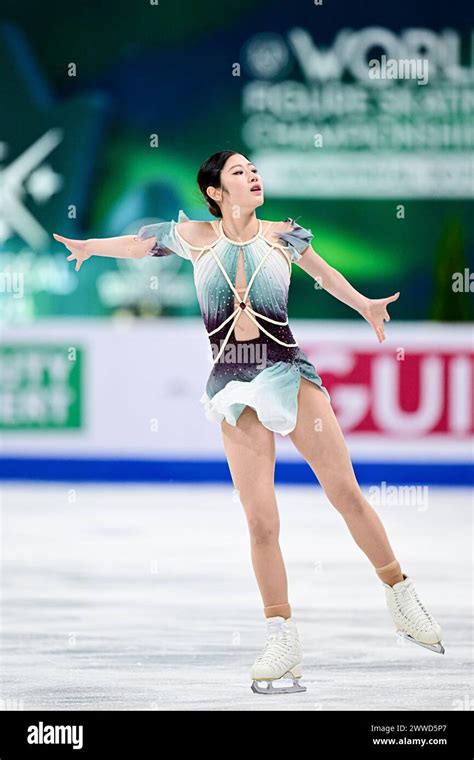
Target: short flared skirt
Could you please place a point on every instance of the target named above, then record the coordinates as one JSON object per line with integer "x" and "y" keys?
{"x": 272, "y": 393}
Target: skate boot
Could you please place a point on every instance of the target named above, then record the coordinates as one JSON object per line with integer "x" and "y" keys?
{"x": 280, "y": 658}
{"x": 411, "y": 619}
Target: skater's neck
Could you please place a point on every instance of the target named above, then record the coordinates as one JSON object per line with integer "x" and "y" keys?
{"x": 242, "y": 229}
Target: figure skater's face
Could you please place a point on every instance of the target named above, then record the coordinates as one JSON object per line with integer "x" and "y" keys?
{"x": 241, "y": 183}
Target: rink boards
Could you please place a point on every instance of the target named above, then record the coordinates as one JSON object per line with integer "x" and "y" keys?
{"x": 111, "y": 400}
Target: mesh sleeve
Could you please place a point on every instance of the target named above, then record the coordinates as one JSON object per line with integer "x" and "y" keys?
{"x": 167, "y": 239}
{"x": 297, "y": 239}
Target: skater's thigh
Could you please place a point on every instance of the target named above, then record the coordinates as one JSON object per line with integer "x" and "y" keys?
{"x": 250, "y": 452}
{"x": 319, "y": 438}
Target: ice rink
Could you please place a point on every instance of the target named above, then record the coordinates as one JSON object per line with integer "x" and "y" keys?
{"x": 139, "y": 597}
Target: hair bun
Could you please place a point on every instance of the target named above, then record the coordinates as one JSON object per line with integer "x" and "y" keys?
{"x": 214, "y": 210}
{"x": 209, "y": 175}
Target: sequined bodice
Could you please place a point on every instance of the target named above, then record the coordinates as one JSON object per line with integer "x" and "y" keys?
{"x": 239, "y": 283}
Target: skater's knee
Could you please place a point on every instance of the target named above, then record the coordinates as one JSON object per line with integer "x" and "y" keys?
{"x": 346, "y": 497}
{"x": 263, "y": 530}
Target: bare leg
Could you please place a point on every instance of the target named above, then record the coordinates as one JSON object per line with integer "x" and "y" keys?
{"x": 319, "y": 438}
{"x": 250, "y": 452}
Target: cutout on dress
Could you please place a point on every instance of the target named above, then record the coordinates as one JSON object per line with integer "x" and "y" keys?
{"x": 245, "y": 327}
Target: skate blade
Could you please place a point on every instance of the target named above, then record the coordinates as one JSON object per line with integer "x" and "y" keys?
{"x": 438, "y": 648}
{"x": 270, "y": 689}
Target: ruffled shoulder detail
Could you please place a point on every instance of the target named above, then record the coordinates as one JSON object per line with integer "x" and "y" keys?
{"x": 182, "y": 216}
{"x": 297, "y": 238}
{"x": 168, "y": 240}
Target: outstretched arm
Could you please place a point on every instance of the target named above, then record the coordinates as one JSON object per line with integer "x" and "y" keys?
{"x": 121, "y": 247}
{"x": 374, "y": 310}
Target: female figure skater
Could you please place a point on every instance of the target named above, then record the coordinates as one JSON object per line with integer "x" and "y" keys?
{"x": 262, "y": 383}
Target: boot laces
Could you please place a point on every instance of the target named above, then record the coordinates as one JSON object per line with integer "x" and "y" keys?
{"x": 277, "y": 645}
{"x": 411, "y": 607}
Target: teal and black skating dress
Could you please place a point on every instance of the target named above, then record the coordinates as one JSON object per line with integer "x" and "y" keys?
{"x": 263, "y": 372}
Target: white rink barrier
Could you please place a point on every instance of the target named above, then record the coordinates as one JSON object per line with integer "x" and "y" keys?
{"x": 130, "y": 389}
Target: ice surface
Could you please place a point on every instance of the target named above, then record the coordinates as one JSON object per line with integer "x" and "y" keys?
{"x": 138, "y": 597}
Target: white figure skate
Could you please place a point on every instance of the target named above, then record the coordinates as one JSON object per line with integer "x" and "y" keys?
{"x": 280, "y": 658}
{"x": 411, "y": 619}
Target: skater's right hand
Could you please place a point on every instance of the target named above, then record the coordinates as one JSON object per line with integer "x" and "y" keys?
{"x": 79, "y": 249}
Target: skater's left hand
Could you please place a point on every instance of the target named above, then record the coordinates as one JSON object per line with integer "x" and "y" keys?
{"x": 375, "y": 312}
